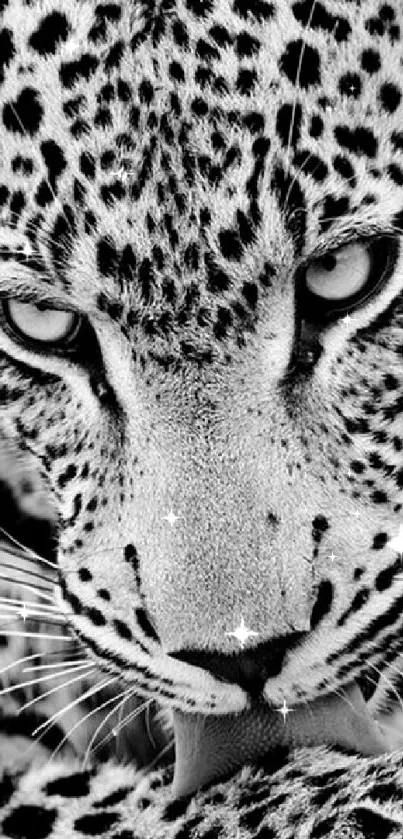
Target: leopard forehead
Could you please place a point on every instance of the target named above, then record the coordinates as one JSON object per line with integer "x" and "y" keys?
{"x": 152, "y": 159}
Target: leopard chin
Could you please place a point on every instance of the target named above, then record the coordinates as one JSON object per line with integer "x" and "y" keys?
{"x": 210, "y": 748}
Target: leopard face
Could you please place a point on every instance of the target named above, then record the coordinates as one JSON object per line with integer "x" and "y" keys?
{"x": 200, "y": 279}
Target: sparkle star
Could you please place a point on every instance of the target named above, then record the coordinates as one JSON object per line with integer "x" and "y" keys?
{"x": 242, "y": 633}
{"x": 332, "y": 557}
{"x": 24, "y": 612}
{"x": 171, "y": 518}
{"x": 396, "y": 544}
{"x": 284, "y": 710}
{"x": 347, "y": 320}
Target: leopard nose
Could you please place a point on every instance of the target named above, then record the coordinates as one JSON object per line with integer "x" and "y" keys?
{"x": 250, "y": 669}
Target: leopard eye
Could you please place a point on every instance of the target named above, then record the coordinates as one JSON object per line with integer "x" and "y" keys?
{"x": 36, "y": 323}
{"x": 340, "y": 274}
{"x": 344, "y": 279}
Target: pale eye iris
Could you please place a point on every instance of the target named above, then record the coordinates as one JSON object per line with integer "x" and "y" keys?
{"x": 38, "y": 322}
{"x": 339, "y": 274}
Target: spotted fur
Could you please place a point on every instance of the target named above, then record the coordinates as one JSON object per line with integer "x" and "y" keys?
{"x": 318, "y": 794}
{"x": 215, "y": 443}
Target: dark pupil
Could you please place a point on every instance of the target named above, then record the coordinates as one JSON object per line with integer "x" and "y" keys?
{"x": 328, "y": 262}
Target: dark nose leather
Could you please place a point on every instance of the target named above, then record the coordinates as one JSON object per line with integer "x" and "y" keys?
{"x": 249, "y": 668}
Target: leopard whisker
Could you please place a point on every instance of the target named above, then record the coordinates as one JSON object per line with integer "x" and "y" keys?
{"x": 382, "y": 675}
{"x": 81, "y": 553}
{"x": 38, "y": 590}
{"x": 48, "y": 724}
{"x": 294, "y": 179}
{"x": 96, "y": 551}
{"x": 67, "y": 663}
{"x": 34, "y": 616}
{"x": 41, "y": 619}
{"x": 11, "y": 566}
{"x": 167, "y": 748}
{"x": 54, "y": 690}
{"x": 121, "y": 712}
{"x": 34, "y": 557}
{"x": 33, "y": 611}
{"x": 90, "y": 692}
{"x": 19, "y": 661}
{"x": 14, "y": 602}
{"x": 27, "y": 550}
{"x": 40, "y": 679}
{"x": 297, "y": 88}
{"x": 133, "y": 714}
{"x": 340, "y": 693}
{"x": 148, "y": 726}
{"x": 125, "y": 721}
{"x": 41, "y": 635}
{"x": 78, "y": 723}
{"x": 125, "y": 693}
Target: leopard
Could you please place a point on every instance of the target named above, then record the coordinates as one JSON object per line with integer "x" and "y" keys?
{"x": 201, "y": 217}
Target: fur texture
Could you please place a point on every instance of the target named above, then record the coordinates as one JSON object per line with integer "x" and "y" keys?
{"x": 197, "y": 194}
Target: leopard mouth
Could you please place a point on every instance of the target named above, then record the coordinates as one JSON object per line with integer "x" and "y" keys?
{"x": 208, "y": 749}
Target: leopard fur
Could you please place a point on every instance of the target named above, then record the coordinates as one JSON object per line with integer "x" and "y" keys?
{"x": 216, "y": 442}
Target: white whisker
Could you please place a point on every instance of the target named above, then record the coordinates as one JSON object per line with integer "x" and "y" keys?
{"x": 40, "y": 617}
{"x": 27, "y": 550}
{"x": 28, "y": 571}
{"x": 30, "y": 657}
{"x": 38, "y": 635}
{"x": 75, "y": 702}
{"x": 121, "y": 724}
{"x": 382, "y": 675}
{"x": 37, "y": 616}
{"x": 297, "y": 87}
{"x": 340, "y": 693}
{"x": 40, "y": 679}
{"x": 84, "y": 719}
{"x": 12, "y": 602}
{"x": 31, "y": 588}
{"x": 148, "y": 726}
{"x": 55, "y": 689}
{"x": 133, "y": 714}
{"x": 163, "y": 751}
{"x": 37, "y": 667}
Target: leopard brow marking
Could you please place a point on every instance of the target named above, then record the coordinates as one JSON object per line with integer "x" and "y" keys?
{"x": 347, "y": 234}
{"x": 28, "y": 291}
{"x": 25, "y": 282}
